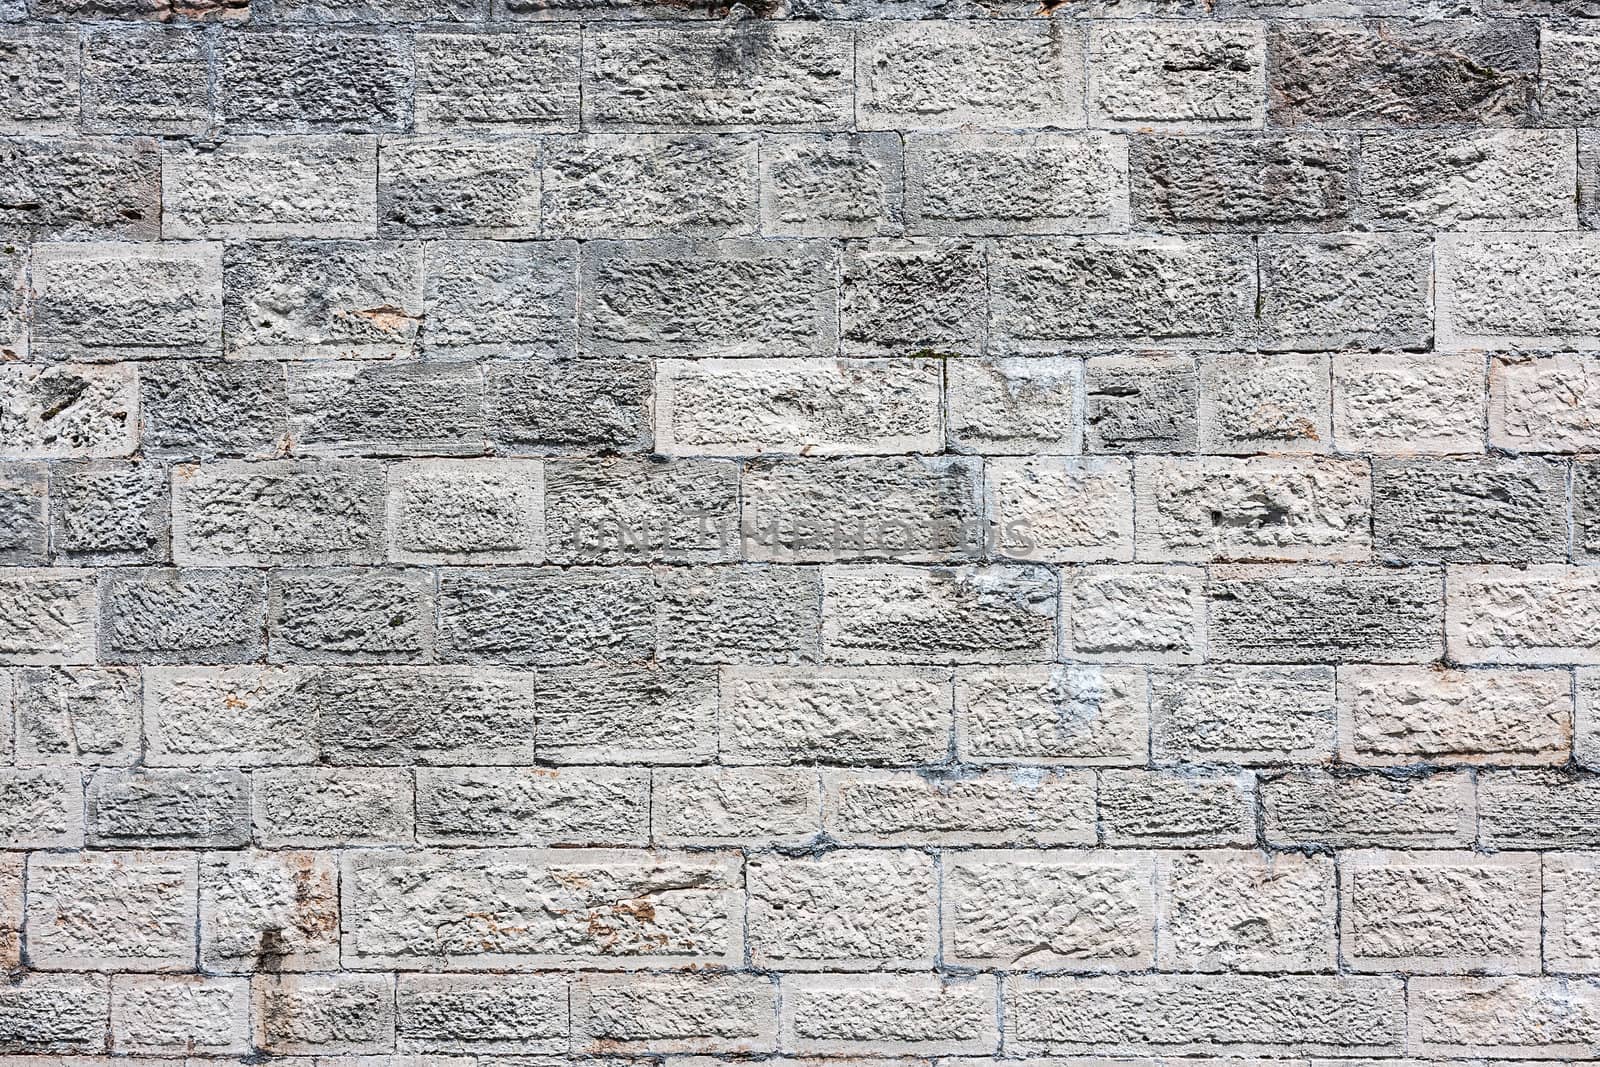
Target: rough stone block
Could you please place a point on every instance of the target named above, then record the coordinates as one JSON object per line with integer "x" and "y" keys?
{"x": 830, "y": 185}
{"x": 1059, "y": 510}
{"x": 999, "y": 807}
{"x": 1538, "y": 809}
{"x": 317, "y": 81}
{"x": 774, "y": 298}
{"x": 1176, "y": 77}
{"x": 354, "y": 409}
{"x": 1394, "y": 73}
{"x": 439, "y": 715}
{"x": 974, "y": 614}
{"x": 195, "y": 409}
{"x": 24, "y": 514}
{"x": 100, "y": 302}
{"x": 168, "y": 808}
{"x": 1267, "y": 614}
{"x": 842, "y": 1015}
{"x": 969, "y": 183}
{"x": 468, "y": 1014}
{"x": 741, "y": 614}
{"x": 1210, "y": 508}
{"x": 783, "y": 76}
{"x": 146, "y": 79}
{"x": 260, "y": 187}
{"x": 454, "y": 511}
{"x": 1144, "y": 403}
{"x": 1569, "y": 88}
{"x": 475, "y": 910}
{"x": 1250, "y": 715}
{"x": 968, "y": 74}
{"x": 1470, "y": 510}
{"x": 636, "y": 510}
{"x": 220, "y": 716}
{"x": 42, "y": 74}
{"x": 847, "y": 910}
{"x": 822, "y": 407}
{"x": 350, "y": 616}
{"x": 622, "y": 186}
{"x": 77, "y": 715}
{"x": 914, "y": 297}
{"x": 41, "y": 807}
{"x": 1517, "y": 291}
{"x": 1273, "y": 182}
{"x": 547, "y": 616}
{"x": 1138, "y": 614}
{"x": 181, "y": 616}
{"x": 1503, "y": 180}
{"x": 650, "y": 713}
{"x": 1272, "y": 403}
{"x": 1538, "y": 614}
{"x": 1402, "y": 404}
{"x": 1402, "y": 715}
{"x": 79, "y": 188}
{"x": 1503, "y": 1016}
{"x": 166, "y": 1015}
{"x": 1544, "y": 403}
{"x": 1572, "y": 913}
{"x": 322, "y": 300}
{"x": 460, "y": 186}
{"x": 269, "y": 911}
{"x": 896, "y": 716}
{"x": 68, "y": 412}
{"x": 555, "y": 405}
{"x": 1049, "y": 293}
{"x": 1302, "y": 809}
{"x": 306, "y": 807}
{"x": 279, "y": 512}
{"x": 1075, "y": 713}
{"x": 674, "y": 1013}
{"x": 1014, "y": 406}
{"x": 734, "y": 806}
{"x": 54, "y": 1013}
{"x": 1228, "y": 910}
{"x": 1347, "y": 291}
{"x": 1181, "y": 808}
{"x": 319, "y": 1014}
{"x": 502, "y": 81}
{"x": 1439, "y": 912}
{"x": 533, "y": 806}
{"x": 107, "y": 512}
{"x": 111, "y": 911}
{"x": 47, "y": 616}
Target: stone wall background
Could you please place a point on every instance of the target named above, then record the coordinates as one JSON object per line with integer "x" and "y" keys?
{"x": 1256, "y": 339}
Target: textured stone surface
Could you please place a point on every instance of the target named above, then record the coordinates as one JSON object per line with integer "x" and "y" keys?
{"x": 1401, "y": 715}
{"x": 1230, "y": 910}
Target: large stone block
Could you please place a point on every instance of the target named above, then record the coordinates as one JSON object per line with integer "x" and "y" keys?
{"x": 111, "y": 911}
{"x": 1077, "y": 713}
{"x": 849, "y": 715}
{"x": 998, "y": 807}
{"x": 1176, "y": 76}
{"x": 317, "y": 81}
{"x": 843, "y": 911}
{"x": 502, "y": 81}
{"x": 261, "y": 187}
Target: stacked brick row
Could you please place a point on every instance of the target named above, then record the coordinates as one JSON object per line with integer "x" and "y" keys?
{"x": 895, "y": 532}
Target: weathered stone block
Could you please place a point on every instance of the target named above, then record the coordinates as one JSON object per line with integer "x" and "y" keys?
{"x": 279, "y": 512}
{"x": 77, "y": 715}
{"x": 168, "y": 809}
{"x": 1517, "y": 291}
{"x": 217, "y": 716}
{"x": 181, "y": 616}
{"x": 734, "y": 805}
{"x": 1177, "y": 76}
{"x": 1059, "y": 510}
{"x": 834, "y": 715}
{"x": 1313, "y": 808}
{"x": 500, "y": 299}
{"x": 1503, "y": 1016}
{"x": 1403, "y": 404}
{"x": 740, "y": 614}
{"x": 1569, "y": 89}
{"x": 474, "y": 910}
{"x": 1544, "y": 613}
{"x": 1544, "y": 403}
{"x": 93, "y": 187}
{"x": 47, "y": 616}
{"x": 1394, "y": 73}
{"x": 176, "y": 1014}
{"x": 306, "y": 807}
{"x": 674, "y": 1013}
{"x": 968, "y": 74}
{"x": 974, "y": 614}
{"x": 1572, "y": 913}
{"x": 1290, "y": 182}
{"x": 533, "y": 806}
{"x": 1141, "y": 404}
{"x": 41, "y": 808}
{"x": 846, "y": 910}
{"x": 501, "y": 81}
{"x": 819, "y": 407}
{"x": 113, "y": 911}
{"x": 1205, "y": 509}
{"x": 322, "y": 300}
{"x": 547, "y": 616}
{"x": 1402, "y": 715}
{"x": 1047, "y": 293}
{"x": 1250, "y": 715}
{"x": 1057, "y": 713}
{"x": 781, "y": 76}
{"x": 1241, "y": 911}
{"x": 1181, "y": 808}
{"x": 1139, "y": 614}
{"x": 635, "y": 510}
{"x": 269, "y": 911}
{"x": 650, "y": 713}
{"x": 1267, "y": 614}
{"x": 350, "y": 616}
{"x": 1014, "y": 406}
{"x": 1268, "y": 402}
{"x": 1508, "y": 510}
{"x": 1538, "y": 809}
{"x": 774, "y": 298}
{"x": 322, "y": 81}
{"x": 1439, "y": 912}
{"x": 555, "y": 405}
{"x": 999, "y": 807}
{"x": 467, "y": 1014}
{"x": 322, "y": 1014}
{"x": 913, "y": 297}
{"x": 454, "y": 185}
{"x": 41, "y": 92}
{"x": 1346, "y": 291}
{"x": 146, "y": 79}
{"x": 1506, "y": 180}
{"x": 970, "y": 183}
{"x": 841, "y": 1015}
{"x": 68, "y": 412}
{"x": 193, "y": 409}
{"x": 107, "y": 512}
{"x": 108, "y": 301}
{"x": 618, "y": 185}
{"x": 454, "y": 511}
{"x": 401, "y": 716}
{"x": 24, "y": 514}
{"x": 354, "y": 409}
{"x": 831, "y": 185}
{"x": 55, "y": 1013}
{"x": 259, "y": 187}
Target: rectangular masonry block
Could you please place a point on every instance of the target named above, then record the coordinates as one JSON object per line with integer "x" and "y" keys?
{"x": 312, "y": 807}
{"x": 1205, "y": 898}
{"x": 842, "y": 1015}
{"x": 1503, "y": 1017}
{"x": 1140, "y": 614}
{"x": 464, "y": 1014}
{"x": 868, "y": 909}
{"x": 1572, "y": 912}
{"x": 1538, "y": 614}
{"x": 269, "y": 911}
{"x": 174, "y": 1014}
{"x": 1398, "y": 715}
{"x": 1078, "y": 713}
{"x": 830, "y": 185}
{"x": 533, "y": 806}
{"x": 1545, "y": 402}
{"x": 1307, "y": 808}
{"x": 512, "y": 81}
{"x": 1281, "y": 614}
{"x": 649, "y": 185}
{"x": 1403, "y": 404}
{"x": 259, "y": 187}
{"x": 1222, "y": 713}
{"x": 674, "y": 1013}
{"x": 100, "y": 302}
{"x": 111, "y": 911}
{"x": 735, "y": 805}
{"x": 997, "y": 807}
{"x": 1517, "y": 291}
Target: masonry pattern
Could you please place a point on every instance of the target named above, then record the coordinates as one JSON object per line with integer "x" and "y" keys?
{"x": 874, "y": 531}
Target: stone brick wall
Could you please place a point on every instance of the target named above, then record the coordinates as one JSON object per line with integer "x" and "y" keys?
{"x": 616, "y": 532}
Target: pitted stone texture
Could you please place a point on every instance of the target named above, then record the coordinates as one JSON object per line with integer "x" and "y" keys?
{"x": 1403, "y": 404}
{"x": 1139, "y": 614}
{"x": 54, "y": 1013}
{"x": 914, "y": 509}
{"x": 1230, "y": 910}
{"x": 68, "y": 412}
{"x": 439, "y": 715}
{"x": 349, "y": 1014}
{"x": 1268, "y": 614}
{"x": 1538, "y": 614}
{"x": 830, "y": 185}
{"x": 100, "y": 302}
{"x": 736, "y": 407}
{"x": 1264, "y": 403}
{"x": 1440, "y": 912}
{"x": 734, "y": 805}
{"x": 268, "y": 911}
{"x": 77, "y": 715}
{"x": 322, "y": 300}
{"x": 82, "y": 188}
{"x": 1059, "y": 509}
{"x": 899, "y": 614}
{"x": 646, "y": 714}
{"x": 42, "y": 64}
{"x": 1052, "y": 714}
{"x": 202, "y": 409}
{"x": 1140, "y": 807}
{"x": 1538, "y": 809}
{"x": 841, "y": 1015}
{"x": 1049, "y": 910}
{"x": 870, "y": 715}
{"x": 969, "y": 74}
{"x": 1386, "y": 74}
{"x": 1508, "y": 180}
{"x": 1177, "y": 77}
{"x": 1014, "y": 406}
{"x": 43, "y": 808}
{"x": 174, "y": 1014}
{"x": 471, "y": 910}
{"x": 1544, "y": 402}
{"x": 350, "y": 616}
{"x": 1569, "y": 91}
{"x": 847, "y": 910}
{"x": 1138, "y": 404}
{"x": 470, "y": 1014}
{"x": 1199, "y": 510}
{"x": 1571, "y": 910}
{"x": 320, "y": 81}
{"x": 746, "y": 614}
{"x": 24, "y": 514}
{"x": 47, "y": 616}
{"x": 775, "y": 298}
{"x": 354, "y": 409}
{"x": 784, "y": 75}
{"x": 259, "y": 187}
{"x": 1503, "y": 1016}
{"x": 1472, "y": 510}
{"x": 1314, "y": 808}
{"x": 280, "y": 512}
{"x": 561, "y": 405}
{"x": 1008, "y": 183}
{"x": 121, "y": 911}
{"x": 146, "y": 79}
{"x": 1235, "y": 714}
{"x": 454, "y": 511}
{"x": 451, "y": 185}
{"x": 1516, "y": 291}
{"x": 513, "y": 82}
{"x": 1349, "y": 291}
{"x": 1402, "y": 715}
{"x": 107, "y": 511}
{"x": 1175, "y": 1014}
{"x": 319, "y": 808}
{"x": 1280, "y": 182}
{"x": 533, "y": 806}
{"x": 168, "y": 808}
{"x": 1019, "y": 806}
{"x": 628, "y": 511}
{"x": 210, "y": 716}
{"x": 620, "y": 185}
{"x": 918, "y": 296}
{"x": 677, "y": 1013}
{"x": 1111, "y": 292}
